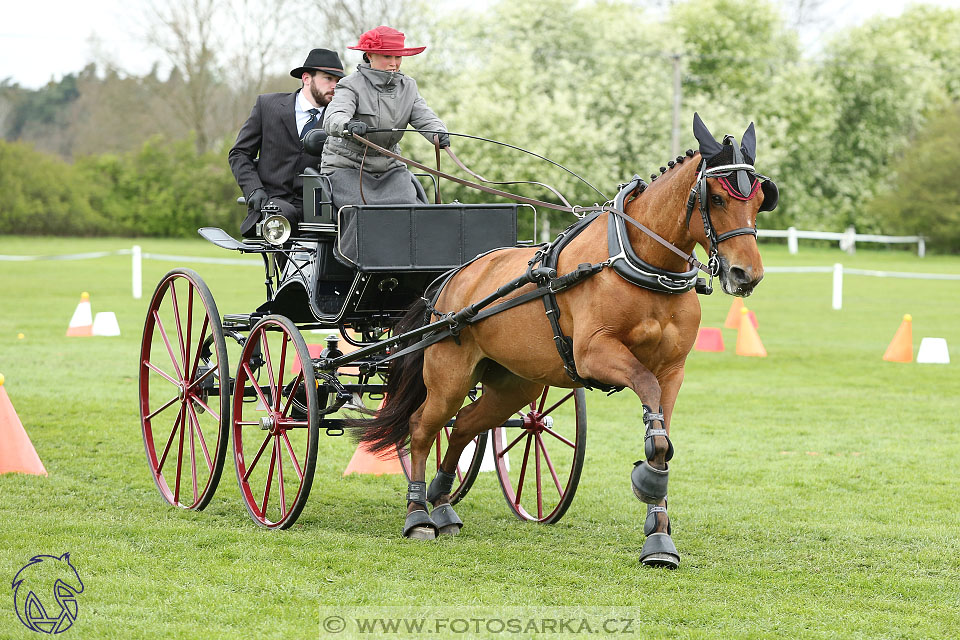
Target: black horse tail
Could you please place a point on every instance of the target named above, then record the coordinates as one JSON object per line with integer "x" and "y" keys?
{"x": 405, "y": 392}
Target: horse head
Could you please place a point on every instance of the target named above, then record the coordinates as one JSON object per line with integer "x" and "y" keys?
{"x": 729, "y": 194}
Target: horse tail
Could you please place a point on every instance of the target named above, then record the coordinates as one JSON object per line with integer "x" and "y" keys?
{"x": 405, "y": 391}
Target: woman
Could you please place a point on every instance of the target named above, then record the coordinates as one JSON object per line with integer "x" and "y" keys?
{"x": 377, "y": 96}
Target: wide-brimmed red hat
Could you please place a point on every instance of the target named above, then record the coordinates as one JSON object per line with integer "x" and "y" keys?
{"x": 386, "y": 42}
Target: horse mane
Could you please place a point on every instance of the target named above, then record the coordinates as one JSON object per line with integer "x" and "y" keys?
{"x": 672, "y": 163}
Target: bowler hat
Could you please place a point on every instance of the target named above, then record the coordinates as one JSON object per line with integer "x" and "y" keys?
{"x": 321, "y": 60}
{"x": 385, "y": 41}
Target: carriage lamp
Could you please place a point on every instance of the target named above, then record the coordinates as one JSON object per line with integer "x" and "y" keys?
{"x": 276, "y": 229}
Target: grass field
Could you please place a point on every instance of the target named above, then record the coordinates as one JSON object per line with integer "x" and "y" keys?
{"x": 813, "y": 493}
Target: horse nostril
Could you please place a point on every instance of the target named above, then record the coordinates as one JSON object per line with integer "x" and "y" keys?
{"x": 739, "y": 276}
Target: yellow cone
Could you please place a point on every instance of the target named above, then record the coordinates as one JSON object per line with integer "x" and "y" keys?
{"x": 748, "y": 340}
{"x": 733, "y": 316}
{"x": 901, "y": 347}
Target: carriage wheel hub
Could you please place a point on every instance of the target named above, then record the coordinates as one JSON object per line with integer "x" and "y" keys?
{"x": 182, "y": 391}
{"x": 267, "y": 423}
{"x": 537, "y": 422}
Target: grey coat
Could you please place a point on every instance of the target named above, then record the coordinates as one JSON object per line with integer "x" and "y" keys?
{"x": 383, "y": 100}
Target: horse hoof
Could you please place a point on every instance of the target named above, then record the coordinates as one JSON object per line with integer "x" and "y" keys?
{"x": 665, "y": 560}
{"x": 419, "y": 526}
{"x": 420, "y": 533}
{"x": 447, "y": 521}
{"x": 649, "y": 484}
{"x": 659, "y": 551}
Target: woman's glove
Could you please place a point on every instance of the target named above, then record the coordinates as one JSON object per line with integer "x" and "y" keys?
{"x": 357, "y": 127}
{"x": 443, "y": 140}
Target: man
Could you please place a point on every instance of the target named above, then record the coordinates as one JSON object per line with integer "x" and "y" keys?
{"x": 275, "y": 131}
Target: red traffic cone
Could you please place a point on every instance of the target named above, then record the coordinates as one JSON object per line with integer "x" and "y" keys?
{"x": 81, "y": 324}
{"x": 709, "y": 339}
{"x": 733, "y": 316}
{"x": 365, "y": 461}
{"x": 17, "y": 453}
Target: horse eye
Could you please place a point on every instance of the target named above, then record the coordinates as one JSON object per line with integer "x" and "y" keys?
{"x": 717, "y": 200}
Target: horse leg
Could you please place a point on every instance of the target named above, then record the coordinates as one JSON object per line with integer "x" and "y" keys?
{"x": 425, "y": 423}
{"x": 502, "y": 396}
{"x": 611, "y": 362}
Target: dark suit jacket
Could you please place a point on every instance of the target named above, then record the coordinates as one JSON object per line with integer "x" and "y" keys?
{"x": 271, "y": 131}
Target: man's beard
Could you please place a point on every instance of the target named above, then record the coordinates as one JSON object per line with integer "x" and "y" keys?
{"x": 322, "y": 99}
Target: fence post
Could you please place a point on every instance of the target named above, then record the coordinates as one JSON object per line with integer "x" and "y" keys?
{"x": 837, "y": 286}
{"x": 792, "y": 240}
{"x": 848, "y": 242}
{"x": 137, "y": 272}
{"x": 921, "y": 247}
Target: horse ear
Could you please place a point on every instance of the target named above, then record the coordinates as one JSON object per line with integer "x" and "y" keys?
{"x": 709, "y": 146}
{"x": 748, "y": 144}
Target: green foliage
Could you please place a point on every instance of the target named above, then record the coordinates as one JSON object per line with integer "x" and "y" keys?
{"x": 924, "y": 195}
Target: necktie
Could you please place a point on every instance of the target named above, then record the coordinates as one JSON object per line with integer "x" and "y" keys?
{"x": 311, "y": 123}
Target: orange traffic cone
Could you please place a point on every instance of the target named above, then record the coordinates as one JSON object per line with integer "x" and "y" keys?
{"x": 733, "y": 316}
{"x": 709, "y": 339}
{"x": 81, "y": 324}
{"x": 365, "y": 461}
{"x": 17, "y": 453}
{"x": 748, "y": 340}
{"x": 901, "y": 347}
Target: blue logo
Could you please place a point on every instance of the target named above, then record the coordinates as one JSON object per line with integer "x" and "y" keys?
{"x": 45, "y": 594}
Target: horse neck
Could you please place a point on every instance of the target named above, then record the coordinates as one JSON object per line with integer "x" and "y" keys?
{"x": 662, "y": 207}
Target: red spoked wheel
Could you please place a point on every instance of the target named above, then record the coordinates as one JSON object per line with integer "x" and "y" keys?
{"x": 539, "y": 464}
{"x": 184, "y": 390}
{"x": 467, "y": 468}
{"x": 276, "y": 419}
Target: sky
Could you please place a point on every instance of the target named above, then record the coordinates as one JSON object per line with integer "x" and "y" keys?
{"x": 43, "y": 40}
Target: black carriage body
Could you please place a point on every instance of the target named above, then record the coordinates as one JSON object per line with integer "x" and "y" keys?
{"x": 365, "y": 265}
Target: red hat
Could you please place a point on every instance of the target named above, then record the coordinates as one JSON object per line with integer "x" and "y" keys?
{"x": 385, "y": 41}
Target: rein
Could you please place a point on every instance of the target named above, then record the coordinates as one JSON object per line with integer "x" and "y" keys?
{"x": 710, "y": 269}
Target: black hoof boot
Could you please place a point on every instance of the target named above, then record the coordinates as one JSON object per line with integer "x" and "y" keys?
{"x": 419, "y": 526}
{"x": 659, "y": 551}
{"x": 447, "y": 521}
{"x": 649, "y": 484}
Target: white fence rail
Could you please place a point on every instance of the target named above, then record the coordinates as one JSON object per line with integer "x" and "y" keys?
{"x": 838, "y": 271}
{"x": 848, "y": 239}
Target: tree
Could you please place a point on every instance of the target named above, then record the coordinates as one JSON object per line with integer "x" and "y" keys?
{"x": 924, "y": 196}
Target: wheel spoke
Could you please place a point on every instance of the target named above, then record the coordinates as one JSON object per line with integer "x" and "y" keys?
{"x": 559, "y": 437}
{"x": 515, "y": 441}
{"x": 274, "y": 393}
{"x": 165, "y": 406}
{"x": 293, "y": 392}
{"x": 256, "y": 458}
{"x": 255, "y": 384}
{"x": 196, "y": 383}
{"x": 553, "y": 472}
{"x": 206, "y": 408}
{"x": 161, "y": 373}
{"x": 203, "y": 443}
{"x": 556, "y": 404}
{"x": 166, "y": 449}
{"x": 166, "y": 341}
{"x": 196, "y": 357}
{"x": 176, "y": 317}
{"x": 176, "y": 495}
{"x": 283, "y": 360}
{"x": 293, "y": 456}
{"x": 266, "y": 490}
{"x": 187, "y": 367}
{"x": 543, "y": 400}
{"x": 523, "y": 470}
{"x": 536, "y": 453}
{"x": 193, "y": 458}
{"x": 283, "y": 497}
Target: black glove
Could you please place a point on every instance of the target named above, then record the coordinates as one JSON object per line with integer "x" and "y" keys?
{"x": 444, "y": 140}
{"x": 356, "y": 126}
{"x": 257, "y": 199}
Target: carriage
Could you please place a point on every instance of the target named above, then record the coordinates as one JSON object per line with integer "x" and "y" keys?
{"x": 351, "y": 274}
{"x": 405, "y": 288}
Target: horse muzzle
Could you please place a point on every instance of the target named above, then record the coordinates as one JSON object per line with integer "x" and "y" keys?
{"x": 738, "y": 279}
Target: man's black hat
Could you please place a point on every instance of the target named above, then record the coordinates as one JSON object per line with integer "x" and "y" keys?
{"x": 321, "y": 60}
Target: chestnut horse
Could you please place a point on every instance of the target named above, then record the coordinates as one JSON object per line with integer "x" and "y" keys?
{"x": 624, "y": 335}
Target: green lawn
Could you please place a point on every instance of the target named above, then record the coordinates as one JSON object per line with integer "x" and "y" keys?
{"x": 813, "y": 492}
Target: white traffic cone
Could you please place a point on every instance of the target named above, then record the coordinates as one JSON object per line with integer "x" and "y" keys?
{"x": 105, "y": 324}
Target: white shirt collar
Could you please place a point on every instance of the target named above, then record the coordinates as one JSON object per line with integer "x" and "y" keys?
{"x": 301, "y": 110}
